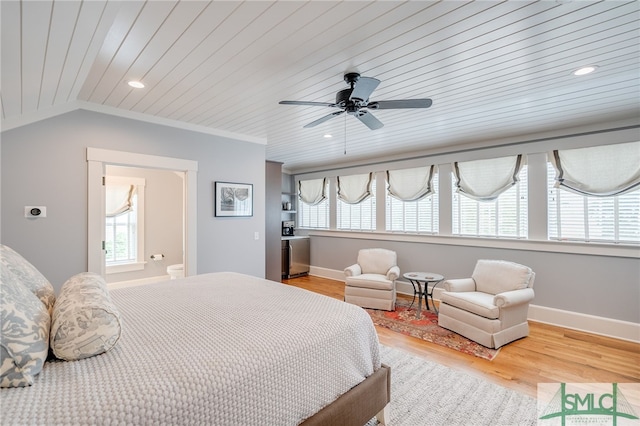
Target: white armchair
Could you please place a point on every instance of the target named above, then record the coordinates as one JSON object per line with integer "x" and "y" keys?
{"x": 371, "y": 283}
{"x": 490, "y": 307}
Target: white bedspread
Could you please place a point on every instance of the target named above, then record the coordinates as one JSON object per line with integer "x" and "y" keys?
{"x": 216, "y": 349}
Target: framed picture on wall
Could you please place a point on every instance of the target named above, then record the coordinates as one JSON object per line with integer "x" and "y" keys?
{"x": 233, "y": 199}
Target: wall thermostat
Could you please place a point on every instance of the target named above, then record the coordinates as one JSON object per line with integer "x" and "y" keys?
{"x": 35, "y": 211}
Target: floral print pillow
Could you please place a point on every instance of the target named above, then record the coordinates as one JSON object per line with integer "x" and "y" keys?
{"x": 85, "y": 322}
{"x": 28, "y": 275}
{"x": 24, "y": 338}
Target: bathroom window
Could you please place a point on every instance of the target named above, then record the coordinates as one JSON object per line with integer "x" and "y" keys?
{"x": 124, "y": 224}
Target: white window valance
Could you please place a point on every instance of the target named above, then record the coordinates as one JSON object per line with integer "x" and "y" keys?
{"x": 410, "y": 184}
{"x": 312, "y": 192}
{"x": 119, "y": 193}
{"x": 118, "y": 199}
{"x": 598, "y": 171}
{"x": 354, "y": 189}
{"x": 485, "y": 180}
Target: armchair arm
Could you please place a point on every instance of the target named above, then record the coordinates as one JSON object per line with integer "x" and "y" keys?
{"x": 393, "y": 273}
{"x": 353, "y": 270}
{"x": 513, "y": 297}
{"x": 460, "y": 284}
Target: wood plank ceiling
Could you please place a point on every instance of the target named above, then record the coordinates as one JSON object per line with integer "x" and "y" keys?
{"x": 493, "y": 69}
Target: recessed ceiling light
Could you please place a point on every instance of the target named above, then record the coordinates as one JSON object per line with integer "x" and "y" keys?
{"x": 328, "y": 136}
{"x": 136, "y": 84}
{"x": 585, "y": 70}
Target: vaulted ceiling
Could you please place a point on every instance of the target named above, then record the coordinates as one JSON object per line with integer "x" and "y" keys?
{"x": 493, "y": 69}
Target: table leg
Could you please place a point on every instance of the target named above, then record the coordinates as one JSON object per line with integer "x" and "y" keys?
{"x": 419, "y": 310}
{"x": 414, "y": 293}
{"x": 426, "y": 296}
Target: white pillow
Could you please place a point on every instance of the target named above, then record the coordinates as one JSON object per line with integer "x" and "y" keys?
{"x": 85, "y": 322}
{"x": 24, "y": 344}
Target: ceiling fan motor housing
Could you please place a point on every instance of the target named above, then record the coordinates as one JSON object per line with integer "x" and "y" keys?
{"x": 351, "y": 106}
{"x": 342, "y": 97}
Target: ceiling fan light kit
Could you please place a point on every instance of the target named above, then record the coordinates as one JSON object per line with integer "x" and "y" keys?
{"x": 355, "y": 101}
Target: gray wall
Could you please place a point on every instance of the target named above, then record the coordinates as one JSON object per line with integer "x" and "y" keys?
{"x": 45, "y": 164}
{"x": 163, "y": 220}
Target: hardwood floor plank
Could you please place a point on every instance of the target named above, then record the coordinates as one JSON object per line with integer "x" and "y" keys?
{"x": 549, "y": 354}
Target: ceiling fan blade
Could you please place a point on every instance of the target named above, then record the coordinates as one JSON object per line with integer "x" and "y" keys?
{"x": 369, "y": 119}
{"x": 401, "y": 103}
{"x": 323, "y": 104}
{"x": 323, "y": 119}
{"x": 364, "y": 87}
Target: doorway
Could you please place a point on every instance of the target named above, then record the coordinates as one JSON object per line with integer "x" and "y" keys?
{"x": 98, "y": 161}
{"x": 144, "y": 223}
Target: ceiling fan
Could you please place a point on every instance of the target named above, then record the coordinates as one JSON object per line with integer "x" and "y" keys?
{"x": 355, "y": 101}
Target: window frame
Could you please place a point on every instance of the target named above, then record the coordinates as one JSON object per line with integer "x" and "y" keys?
{"x": 556, "y": 197}
{"x": 139, "y": 263}
{"x": 480, "y": 207}
{"x": 314, "y": 210}
{"x": 370, "y": 203}
{"x": 434, "y": 200}
{"x": 536, "y": 152}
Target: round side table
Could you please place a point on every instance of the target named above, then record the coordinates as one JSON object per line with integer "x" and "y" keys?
{"x": 420, "y": 282}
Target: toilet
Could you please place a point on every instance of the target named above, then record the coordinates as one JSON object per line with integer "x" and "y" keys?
{"x": 176, "y": 271}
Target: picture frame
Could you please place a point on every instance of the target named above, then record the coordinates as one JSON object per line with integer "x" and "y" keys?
{"x": 233, "y": 199}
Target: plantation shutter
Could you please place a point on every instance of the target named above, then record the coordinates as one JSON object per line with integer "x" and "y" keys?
{"x": 600, "y": 171}
{"x": 410, "y": 184}
{"x": 485, "y": 180}
{"x": 312, "y": 192}
{"x": 354, "y": 189}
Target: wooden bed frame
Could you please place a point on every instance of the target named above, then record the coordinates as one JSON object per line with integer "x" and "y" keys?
{"x": 370, "y": 398}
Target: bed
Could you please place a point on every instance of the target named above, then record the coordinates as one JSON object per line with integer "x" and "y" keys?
{"x": 219, "y": 349}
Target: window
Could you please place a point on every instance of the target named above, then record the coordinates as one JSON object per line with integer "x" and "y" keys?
{"x": 504, "y": 217}
{"x": 124, "y": 224}
{"x": 317, "y": 215}
{"x": 121, "y": 241}
{"x": 413, "y": 216}
{"x": 360, "y": 216}
{"x": 612, "y": 219}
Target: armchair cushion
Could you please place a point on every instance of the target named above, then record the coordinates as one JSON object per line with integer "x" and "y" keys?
{"x": 376, "y": 260}
{"x": 473, "y": 301}
{"x": 498, "y": 276}
{"x": 373, "y": 281}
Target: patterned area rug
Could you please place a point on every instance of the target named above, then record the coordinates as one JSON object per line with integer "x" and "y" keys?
{"x": 424, "y": 393}
{"x": 404, "y": 321}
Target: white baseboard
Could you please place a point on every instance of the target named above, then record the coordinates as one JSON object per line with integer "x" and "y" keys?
{"x": 602, "y": 326}
{"x": 584, "y": 322}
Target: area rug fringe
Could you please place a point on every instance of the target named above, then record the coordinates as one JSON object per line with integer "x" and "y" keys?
{"x": 424, "y": 393}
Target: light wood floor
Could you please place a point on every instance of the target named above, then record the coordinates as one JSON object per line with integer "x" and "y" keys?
{"x": 549, "y": 355}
